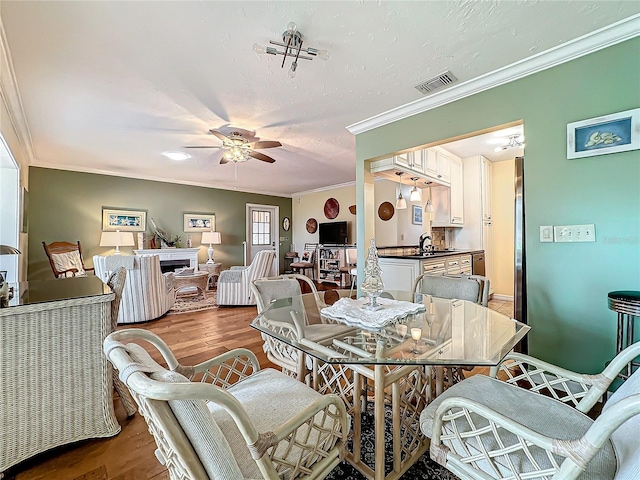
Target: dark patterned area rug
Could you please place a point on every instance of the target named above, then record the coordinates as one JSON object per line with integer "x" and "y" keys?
{"x": 423, "y": 469}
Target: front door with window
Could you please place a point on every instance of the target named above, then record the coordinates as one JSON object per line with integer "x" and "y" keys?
{"x": 262, "y": 232}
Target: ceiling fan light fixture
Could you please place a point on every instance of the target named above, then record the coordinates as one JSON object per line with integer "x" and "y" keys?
{"x": 515, "y": 141}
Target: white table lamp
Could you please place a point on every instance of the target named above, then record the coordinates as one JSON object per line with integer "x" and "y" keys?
{"x": 116, "y": 239}
{"x": 210, "y": 238}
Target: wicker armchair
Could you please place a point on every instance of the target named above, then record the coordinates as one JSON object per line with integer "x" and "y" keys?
{"x": 233, "y": 284}
{"x": 227, "y": 419}
{"x": 484, "y": 428}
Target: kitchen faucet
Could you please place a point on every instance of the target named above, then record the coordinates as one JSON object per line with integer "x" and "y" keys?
{"x": 425, "y": 250}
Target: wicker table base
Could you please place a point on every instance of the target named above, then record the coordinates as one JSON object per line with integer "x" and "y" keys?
{"x": 199, "y": 280}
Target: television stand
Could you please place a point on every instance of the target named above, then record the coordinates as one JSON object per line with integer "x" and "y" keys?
{"x": 330, "y": 259}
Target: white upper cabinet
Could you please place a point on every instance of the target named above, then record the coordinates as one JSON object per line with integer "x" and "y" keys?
{"x": 408, "y": 162}
{"x": 449, "y": 201}
{"x": 457, "y": 192}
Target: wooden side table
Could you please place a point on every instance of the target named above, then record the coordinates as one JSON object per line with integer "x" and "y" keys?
{"x": 213, "y": 269}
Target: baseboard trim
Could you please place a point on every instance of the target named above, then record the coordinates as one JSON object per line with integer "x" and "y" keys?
{"x": 505, "y": 298}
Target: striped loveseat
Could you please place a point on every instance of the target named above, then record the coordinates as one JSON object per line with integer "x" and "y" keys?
{"x": 148, "y": 293}
{"x": 234, "y": 284}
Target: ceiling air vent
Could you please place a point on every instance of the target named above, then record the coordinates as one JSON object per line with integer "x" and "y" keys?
{"x": 436, "y": 82}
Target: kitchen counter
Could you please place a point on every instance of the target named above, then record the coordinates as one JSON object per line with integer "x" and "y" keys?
{"x": 436, "y": 254}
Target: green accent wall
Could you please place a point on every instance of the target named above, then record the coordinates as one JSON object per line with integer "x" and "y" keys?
{"x": 567, "y": 283}
{"x": 66, "y": 205}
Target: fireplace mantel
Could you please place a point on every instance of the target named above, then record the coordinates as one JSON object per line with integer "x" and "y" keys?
{"x": 173, "y": 254}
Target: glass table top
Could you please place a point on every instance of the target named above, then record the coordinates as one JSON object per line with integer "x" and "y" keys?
{"x": 28, "y": 293}
{"x": 422, "y": 330}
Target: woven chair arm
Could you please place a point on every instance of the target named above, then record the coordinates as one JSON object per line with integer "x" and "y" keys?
{"x": 230, "y": 276}
{"x": 579, "y": 390}
{"x": 239, "y": 267}
{"x": 148, "y": 336}
{"x": 316, "y": 431}
{"x": 226, "y": 369}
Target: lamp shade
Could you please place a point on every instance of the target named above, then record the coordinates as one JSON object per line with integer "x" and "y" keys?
{"x": 116, "y": 239}
{"x": 209, "y": 238}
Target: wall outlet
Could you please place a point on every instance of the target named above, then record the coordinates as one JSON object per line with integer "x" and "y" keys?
{"x": 546, "y": 233}
{"x": 574, "y": 233}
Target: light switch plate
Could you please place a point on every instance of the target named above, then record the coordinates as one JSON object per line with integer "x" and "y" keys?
{"x": 574, "y": 233}
{"x": 546, "y": 233}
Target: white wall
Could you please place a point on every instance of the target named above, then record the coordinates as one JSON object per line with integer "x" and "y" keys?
{"x": 399, "y": 230}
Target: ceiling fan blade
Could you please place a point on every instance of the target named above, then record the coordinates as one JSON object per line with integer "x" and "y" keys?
{"x": 265, "y": 144}
{"x": 202, "y": 146}
{"x": 224, "y": 160}
{"x": 261, "y": 156}
{"x": 222, "y": 137}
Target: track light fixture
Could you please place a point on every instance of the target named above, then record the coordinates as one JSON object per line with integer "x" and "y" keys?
{"x": 514, "y": 142}
{"x": 292, "y": 43}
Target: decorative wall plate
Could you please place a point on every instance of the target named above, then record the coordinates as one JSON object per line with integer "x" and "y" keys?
{"x": 286, "y": 224}
{"x": 312, "y": 225}
{"x": 331, "y": 208}
{"x": 386, "y": 211}
{"x": 352, "y": 209}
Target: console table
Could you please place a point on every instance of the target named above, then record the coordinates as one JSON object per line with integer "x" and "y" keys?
{"x": 173, "y": 256}
{"x": 57, "y": 384}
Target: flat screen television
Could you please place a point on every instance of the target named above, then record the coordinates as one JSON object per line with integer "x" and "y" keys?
{"x": 333, "y": 233}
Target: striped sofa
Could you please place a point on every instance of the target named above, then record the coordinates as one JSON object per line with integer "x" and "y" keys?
{"x": 234, "y": 284}
{"x": 148, "y": 293}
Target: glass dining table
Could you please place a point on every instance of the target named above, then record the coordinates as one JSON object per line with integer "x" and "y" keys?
{"x": 396, "y": 355}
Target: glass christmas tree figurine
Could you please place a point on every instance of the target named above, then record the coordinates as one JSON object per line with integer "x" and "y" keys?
{"x": 372, "y": 284}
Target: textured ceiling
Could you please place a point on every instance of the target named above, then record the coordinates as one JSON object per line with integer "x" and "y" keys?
{"x": 108, "y": 86}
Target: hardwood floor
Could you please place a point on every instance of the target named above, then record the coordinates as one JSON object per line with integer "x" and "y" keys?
{"x": 193, "y": 337}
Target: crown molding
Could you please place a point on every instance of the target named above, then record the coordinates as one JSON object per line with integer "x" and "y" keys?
{"x": 324, "y": 189}
{"x": 152, "y": 178}
{"x": 618, "y": 32}
{"x": 11, "y": 98}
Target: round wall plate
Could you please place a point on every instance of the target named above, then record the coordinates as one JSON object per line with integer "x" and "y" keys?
{"x": 312, "y": 225}
{"x": 286, "y": 224}
{"x": 331, "y": 208}
{"x": 352, "y": 209}
{"x": 386, "y": 211}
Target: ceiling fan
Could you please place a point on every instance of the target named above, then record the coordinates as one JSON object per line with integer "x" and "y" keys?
{"x": 236, "y": 148}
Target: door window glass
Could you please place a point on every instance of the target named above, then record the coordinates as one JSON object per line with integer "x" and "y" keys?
{"x": 261, "y": 227}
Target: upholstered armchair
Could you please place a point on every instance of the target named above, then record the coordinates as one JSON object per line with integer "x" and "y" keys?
{"x": 485, "y": 428}
{"x": 148, "y": 293}
{"x": 233, "y": 284}
{"x": 226, "y": 418}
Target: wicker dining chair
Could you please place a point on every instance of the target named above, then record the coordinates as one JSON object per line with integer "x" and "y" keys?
{"x": 307, "y": 260}
{"x": 226, "y": 418}
{"x": 486, "y": 428}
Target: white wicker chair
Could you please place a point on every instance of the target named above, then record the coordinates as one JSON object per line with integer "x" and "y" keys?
{"x": 148, "y": 293}
{"x": 485, "y": 428}
{"x": 291, "y": 322}
{"x": 233, "y": 284}
{"x": 229, "y": 419}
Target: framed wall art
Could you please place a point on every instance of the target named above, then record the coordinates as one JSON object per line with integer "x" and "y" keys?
{"x": 618, "y": 132}
{"x": 124, "y": 220}
{"x": 416, "y": 219}
{"x": 199, "y": 222}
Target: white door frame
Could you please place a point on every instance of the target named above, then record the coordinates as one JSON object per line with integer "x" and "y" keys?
{"x": 275, "y": 228}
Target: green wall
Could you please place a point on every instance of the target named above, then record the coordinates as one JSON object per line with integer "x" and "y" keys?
{"x": 67, "y": 206}
{"x": 567, "y": 283}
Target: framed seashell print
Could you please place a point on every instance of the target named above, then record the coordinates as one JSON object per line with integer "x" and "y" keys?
{"x": 618, "y": 132}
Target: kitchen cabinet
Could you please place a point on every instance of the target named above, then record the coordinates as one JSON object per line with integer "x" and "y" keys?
{"x": 399, "y": 273}
{"x": 437, "y": 164}
{"x": 408, "y": 162}
{"x": 449, "y": 201}
{"x": 477, "y": 233}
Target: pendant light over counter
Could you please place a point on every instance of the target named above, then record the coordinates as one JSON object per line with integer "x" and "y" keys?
{"x": 401, "y": 203}
{"x": 428, "y": 207}
{"x": 416, "y": 195}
